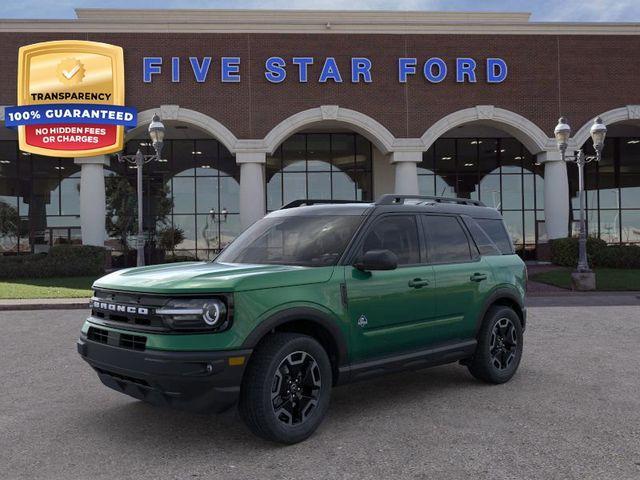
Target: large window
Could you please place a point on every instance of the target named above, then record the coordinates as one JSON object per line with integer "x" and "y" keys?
{"x": 39, "y": 200}
{"x": 335, "y": 166}
{"x": 612, "y": 190}
{"x": 500, "y": 172}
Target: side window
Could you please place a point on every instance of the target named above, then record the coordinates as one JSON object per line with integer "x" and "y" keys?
{"x": 496, "y": 231}
{"x": 483, "y": 242}
{"x": 397, "y": 233}
{"x": 446, "y": 240}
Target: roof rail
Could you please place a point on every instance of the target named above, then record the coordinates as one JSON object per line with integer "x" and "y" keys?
{"x": 390, "y": 199}
{"x": 301, "y": 202}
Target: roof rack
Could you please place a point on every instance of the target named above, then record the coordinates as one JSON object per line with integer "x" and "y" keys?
{"x": 391, "y": 199}
{"x": 301, "y": 202}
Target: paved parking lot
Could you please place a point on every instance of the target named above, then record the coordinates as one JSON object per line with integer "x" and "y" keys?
{"x": 572, "y": 411}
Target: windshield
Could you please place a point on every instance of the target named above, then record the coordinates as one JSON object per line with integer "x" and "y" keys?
{"x": 311, "y": 241}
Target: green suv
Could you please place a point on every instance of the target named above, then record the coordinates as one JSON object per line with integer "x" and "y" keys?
{"x": 314, "y": 295}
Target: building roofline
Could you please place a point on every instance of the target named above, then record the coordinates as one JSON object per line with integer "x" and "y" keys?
{"x": 310, "y": 21}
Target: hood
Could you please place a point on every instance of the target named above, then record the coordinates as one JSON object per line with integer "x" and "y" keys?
{"x": 207, "y": 277}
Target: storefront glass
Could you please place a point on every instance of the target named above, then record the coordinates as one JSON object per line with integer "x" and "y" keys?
{"x": 500, "y": 172}
{"x": 612, "y": 192}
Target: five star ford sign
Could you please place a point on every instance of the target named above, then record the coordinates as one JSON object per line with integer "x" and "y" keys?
{"x": 70, "y": 99}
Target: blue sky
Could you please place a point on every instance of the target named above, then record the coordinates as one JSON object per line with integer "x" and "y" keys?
{"x": 542, "y": 10}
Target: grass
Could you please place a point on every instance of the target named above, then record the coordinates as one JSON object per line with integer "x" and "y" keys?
{"x": 67, "y": 287}
{"x": 607, "y": 279}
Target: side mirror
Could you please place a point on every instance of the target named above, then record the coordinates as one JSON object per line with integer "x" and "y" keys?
{"x": 377, "y": 260}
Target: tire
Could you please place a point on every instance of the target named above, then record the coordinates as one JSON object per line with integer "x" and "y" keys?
{"x": 500, "y": 344}
{"x": 297, "y": 369}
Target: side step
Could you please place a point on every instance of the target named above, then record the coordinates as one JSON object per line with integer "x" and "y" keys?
{"x": 439, "y": 355}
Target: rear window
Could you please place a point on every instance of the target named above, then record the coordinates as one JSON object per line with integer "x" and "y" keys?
{"x": 485, "y": 245}
{"x": 494, "y": 228}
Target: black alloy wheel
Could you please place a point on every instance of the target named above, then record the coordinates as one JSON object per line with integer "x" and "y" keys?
{"x": 500, "y": 346}
{"x": 504, "y": 343}
{"x": 296, "y": 388}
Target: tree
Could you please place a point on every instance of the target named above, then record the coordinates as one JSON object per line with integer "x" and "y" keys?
{"x": 122, "y": 208}
{"x": 169, "y": 237}
{"x": 9, "y": 222}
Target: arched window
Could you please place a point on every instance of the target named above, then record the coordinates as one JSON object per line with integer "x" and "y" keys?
{"x": 335, "y": 166}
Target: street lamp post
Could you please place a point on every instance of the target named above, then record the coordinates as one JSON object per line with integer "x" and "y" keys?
{"x": 562, "y": 133}
{"x": 156, "y": 133}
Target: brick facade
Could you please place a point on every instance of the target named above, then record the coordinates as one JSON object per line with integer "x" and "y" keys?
{"x": 575, "y": 75}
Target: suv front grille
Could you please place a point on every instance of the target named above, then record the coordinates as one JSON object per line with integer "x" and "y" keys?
{"x": 123, "y": 310}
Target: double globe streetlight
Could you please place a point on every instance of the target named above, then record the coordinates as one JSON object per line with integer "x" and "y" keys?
{"x": 156, "y": 134}
{"x": 583, "y": 278}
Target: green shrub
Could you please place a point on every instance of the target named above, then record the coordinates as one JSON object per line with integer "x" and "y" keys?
{"x": 564, "y": 252}
{"x": 618, "y": 256}
{"x": 61, "y": 261}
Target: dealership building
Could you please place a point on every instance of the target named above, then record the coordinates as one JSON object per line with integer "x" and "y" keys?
{"x": 265, "y": 107}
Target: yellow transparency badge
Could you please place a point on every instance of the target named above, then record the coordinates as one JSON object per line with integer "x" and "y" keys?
{"x": 71, "y": 99}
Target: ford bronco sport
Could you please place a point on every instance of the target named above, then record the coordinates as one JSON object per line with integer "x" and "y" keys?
{"x": 314, "y": 295}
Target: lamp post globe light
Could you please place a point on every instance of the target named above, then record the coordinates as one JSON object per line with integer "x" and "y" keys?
{"x": 583, "y": 278}
{"x": 156, "y": 134}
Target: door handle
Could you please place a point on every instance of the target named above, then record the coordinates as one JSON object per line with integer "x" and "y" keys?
{"x": 418, "y": 283}
{"x": 478, "y": 277}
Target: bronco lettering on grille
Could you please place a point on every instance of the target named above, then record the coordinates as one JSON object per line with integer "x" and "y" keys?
{"x": 113, "y": 307}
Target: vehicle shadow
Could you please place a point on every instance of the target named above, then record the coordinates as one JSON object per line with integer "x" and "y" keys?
{"x": 136, "y": 425}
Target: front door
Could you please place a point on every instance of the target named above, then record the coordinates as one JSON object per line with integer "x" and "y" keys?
{"x": 390, "y": 310}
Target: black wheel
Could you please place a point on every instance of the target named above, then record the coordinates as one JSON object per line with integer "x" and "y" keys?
{"x": 286, "y": 388}
{"x": 499, "y": 348}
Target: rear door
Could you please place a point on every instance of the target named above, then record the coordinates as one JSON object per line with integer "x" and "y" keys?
{"x": 462, "y": 277}
{"x": 389, "y": 311}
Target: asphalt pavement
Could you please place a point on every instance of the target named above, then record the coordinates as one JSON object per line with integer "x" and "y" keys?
{"x": 571, "y": 412}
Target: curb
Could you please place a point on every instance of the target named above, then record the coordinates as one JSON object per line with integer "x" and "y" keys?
{"x": 5, "y": 307}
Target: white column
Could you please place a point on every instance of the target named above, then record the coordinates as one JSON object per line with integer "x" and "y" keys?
{"x": 406, "y": 166}
{"x": 92, "y": 199}
{"x": 252, "y": 187}
{"x": 556, "y": 194}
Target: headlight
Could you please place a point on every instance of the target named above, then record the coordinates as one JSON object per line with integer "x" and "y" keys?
{"x": 194, "y": 314}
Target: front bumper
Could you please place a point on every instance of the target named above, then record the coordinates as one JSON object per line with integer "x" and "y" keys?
{"x": 195, "y": 381}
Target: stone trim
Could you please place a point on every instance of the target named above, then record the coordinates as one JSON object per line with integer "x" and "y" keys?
{"x": 628, "y": 112}
{"x": 200, "y": 120}
{"x": 358, "y": 122}
{"x": 532, "y": 136}
{"x": 103, "y": 160}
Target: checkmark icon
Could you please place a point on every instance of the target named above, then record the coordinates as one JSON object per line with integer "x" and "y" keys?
{"x": 71, "y": 73}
